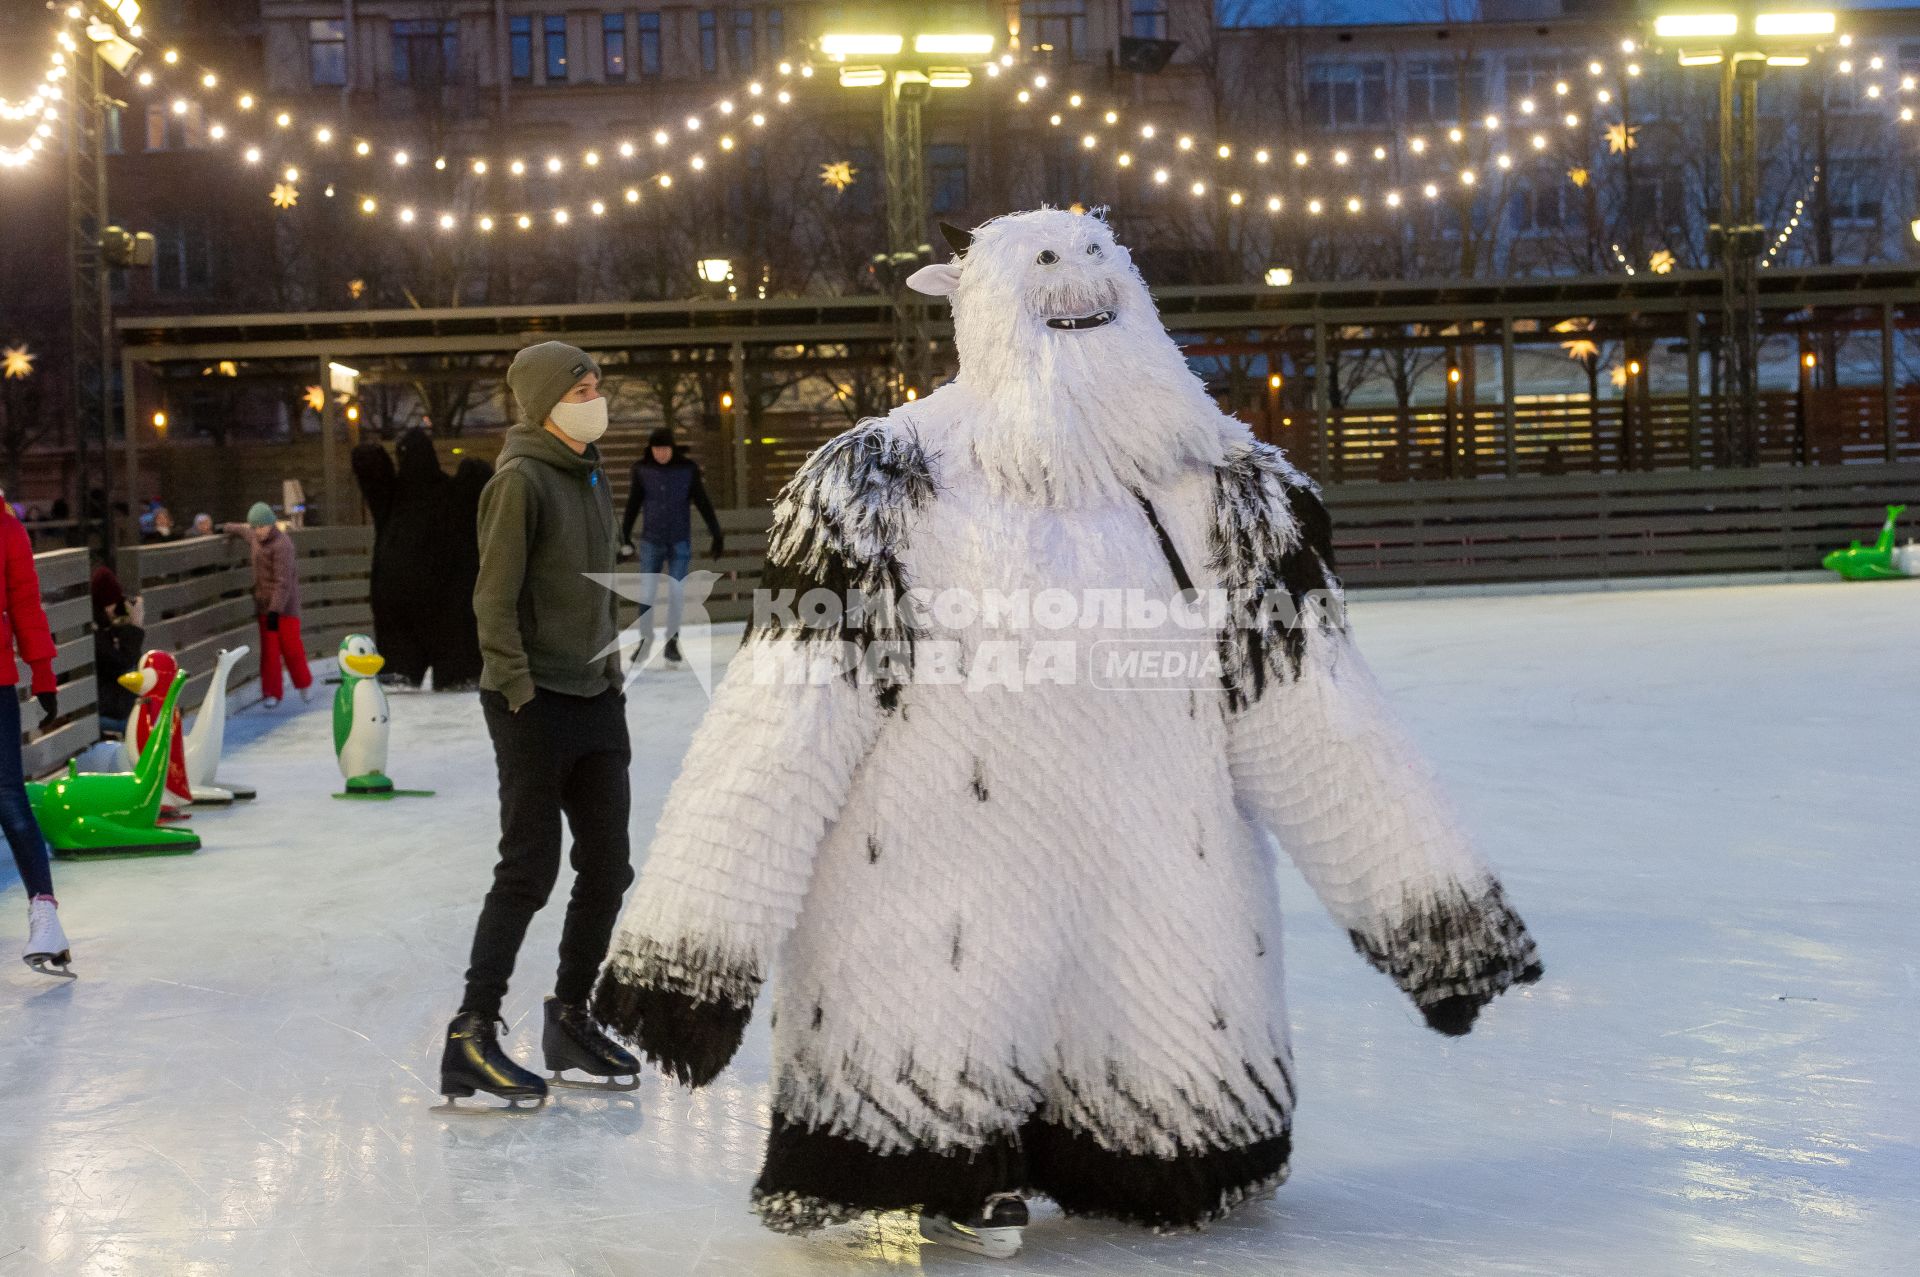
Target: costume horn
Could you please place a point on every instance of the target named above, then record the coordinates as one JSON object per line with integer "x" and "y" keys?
{"x": 958, "y": 240}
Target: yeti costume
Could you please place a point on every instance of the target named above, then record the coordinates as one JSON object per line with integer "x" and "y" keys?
{"x": 1028, "y": 937}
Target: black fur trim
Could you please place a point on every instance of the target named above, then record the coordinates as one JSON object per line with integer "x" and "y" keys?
{"x": 839, "y": 527}
{"x": 1272, "y": 548}
{"x": 1187, "y": 1190}
{"x": 691, "y": 1038}
{"x": 813, "y": 1178}
{"x": 1454, "y": 955}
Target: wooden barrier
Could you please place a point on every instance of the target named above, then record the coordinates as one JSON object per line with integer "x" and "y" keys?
{"x": 64, "y": 576}
{"x": 199, "y": 600}
{"x": 1569, "y": 527}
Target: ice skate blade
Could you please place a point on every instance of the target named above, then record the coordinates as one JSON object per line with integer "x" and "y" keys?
{"x": 994, "y": 1243}
{"x": 51, "y": 964}
{"x": 557, "y": 1078}
{"x": 512, "y": 1104}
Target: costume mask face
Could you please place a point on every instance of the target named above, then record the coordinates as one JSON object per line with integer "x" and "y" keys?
{"x": 1078, "y": 394}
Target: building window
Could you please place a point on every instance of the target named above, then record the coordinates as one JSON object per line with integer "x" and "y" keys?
{"x": 947, "y": 177}
{"x": 1858, "y": 187}
{"x": 1346, "y": 94}
{"x": 425, "y": 52}
{"x": 1444, "y": 90}
{"x": 520, "y": 49}
{"x": 112, "y": 136}
{"x": 613, "y": 46}
{"x": 1532, "y": 74}
{"x": 554, "y": 26}
{"x": 776, "y": 21}
{"x": 327, "y": 52}
{"x": 743, "y": 40}
{"x": 170, "y": 130}
{"x": 182, "y": 257}
{"x": 709, "y": 42}
{"x": 1539, "y": 205}
{"x": 649, "y": 35}
{"x": 1054, "y": 30}
{"x": 1149, "y": 19}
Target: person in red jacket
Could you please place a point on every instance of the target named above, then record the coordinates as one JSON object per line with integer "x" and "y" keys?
{"x": 23, "y": 627}
{"x": 276, "y": 602}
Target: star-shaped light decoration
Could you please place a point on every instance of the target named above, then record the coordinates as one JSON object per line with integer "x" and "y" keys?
{"x": 1578, "y": 176}
{"x": 1581, "y": 348}
{"x": 316, "y": 398}
{"x": 1622, "y": 138}
{"x": 1619, "y": 376}
{"x": 1661, "y": 262}
{"x": 285, "y": 195}
{"x": 16, "y": 363}
{"x": 355, "y": 287}
{"x": 839, "y": 175}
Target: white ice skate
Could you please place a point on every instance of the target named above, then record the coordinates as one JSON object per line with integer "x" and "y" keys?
{"x": 47, "y": 950}
{"x": 994, "y": 1232}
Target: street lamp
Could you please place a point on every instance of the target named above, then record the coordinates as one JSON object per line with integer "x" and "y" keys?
{"x": 1742, "y": 43}
{"x": 907, "y": 51}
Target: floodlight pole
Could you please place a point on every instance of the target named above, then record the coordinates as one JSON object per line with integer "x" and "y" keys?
{"x": 906, "y": 176}
{"x": 92, "y": 312}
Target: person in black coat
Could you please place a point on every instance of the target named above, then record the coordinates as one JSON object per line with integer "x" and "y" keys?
{"x": 118, "y": 641}
{"x": 426, "y": 555}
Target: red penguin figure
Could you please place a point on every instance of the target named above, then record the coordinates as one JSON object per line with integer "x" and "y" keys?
{"x": 150, "y": 682}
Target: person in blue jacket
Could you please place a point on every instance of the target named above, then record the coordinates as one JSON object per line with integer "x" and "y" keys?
{"x": 665, "y": 487}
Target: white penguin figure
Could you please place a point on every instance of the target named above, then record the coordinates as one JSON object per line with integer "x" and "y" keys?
{"x": 360, "y": 718}
{"x": 208, "y": 736}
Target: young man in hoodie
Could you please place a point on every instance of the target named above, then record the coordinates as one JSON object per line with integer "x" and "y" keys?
{"x": 551, "y": 692}
{"x": 665, "y": 482}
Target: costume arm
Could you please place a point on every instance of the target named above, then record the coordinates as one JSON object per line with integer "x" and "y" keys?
{"x": 1319, "y": 760}
{"x": 373, "y": 469}
{"x": 767, "y": 773}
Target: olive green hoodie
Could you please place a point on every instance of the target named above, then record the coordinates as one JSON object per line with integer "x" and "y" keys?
{"x": 546, "y": 519}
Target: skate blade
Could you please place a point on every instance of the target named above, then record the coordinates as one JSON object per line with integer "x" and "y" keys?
{"x": 994, "y": 1243}
{"x": 48, "y": 964}
{"x": 512, "y": 1104}
{"x": 558, "y": 1078}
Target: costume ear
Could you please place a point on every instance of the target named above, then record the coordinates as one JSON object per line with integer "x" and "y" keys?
{"x": 937, "y": 280}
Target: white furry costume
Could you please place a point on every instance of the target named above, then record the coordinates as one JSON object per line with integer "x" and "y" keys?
{"x": 1029, "y": 937}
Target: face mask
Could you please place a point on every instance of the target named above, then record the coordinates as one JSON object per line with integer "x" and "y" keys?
{"x": 581, "y": 422}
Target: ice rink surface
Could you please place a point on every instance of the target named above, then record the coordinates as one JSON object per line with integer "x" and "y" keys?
{"x": 1702, "y": 800}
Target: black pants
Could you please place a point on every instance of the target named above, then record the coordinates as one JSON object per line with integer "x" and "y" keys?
{"x": 560, "y": 755}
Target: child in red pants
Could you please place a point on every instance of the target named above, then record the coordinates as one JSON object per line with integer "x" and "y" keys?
{"x": 276, "y": 600}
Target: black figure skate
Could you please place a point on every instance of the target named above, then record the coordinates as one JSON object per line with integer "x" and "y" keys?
{"x": 994, "y": 1231}
{"x": 573, "y": 1041}
{"x": 473, "y": 1061}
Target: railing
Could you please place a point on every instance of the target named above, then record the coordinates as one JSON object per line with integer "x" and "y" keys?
{"x": 1568, "y": 527}
{"x": 198, "y": 600}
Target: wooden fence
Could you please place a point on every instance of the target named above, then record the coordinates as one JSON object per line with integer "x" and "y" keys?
{"x": 1569, "y": 527}
{"x": 198, "y": 600}
{"x": 1567, "y": 434}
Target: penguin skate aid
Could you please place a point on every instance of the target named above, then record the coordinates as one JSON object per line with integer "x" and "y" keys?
{"x": 1010, "y": 1040}
{"x": 552, "y": 696}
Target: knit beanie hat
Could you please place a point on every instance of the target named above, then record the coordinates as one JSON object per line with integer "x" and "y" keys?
{"x": 541, "y": 376}
{"x": 260, "y": 515}
{"x": 107, "y": 595}
{"x": 662, "y": 437}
